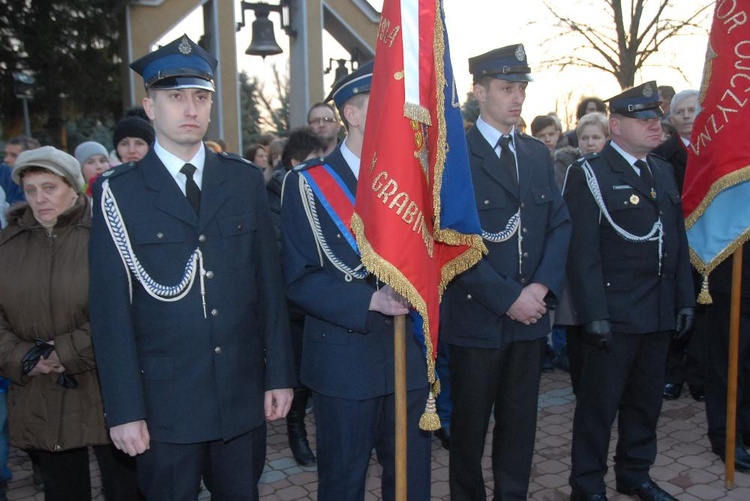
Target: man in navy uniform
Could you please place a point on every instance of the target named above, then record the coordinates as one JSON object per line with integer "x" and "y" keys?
{"x": 347, "y": 355}
{"x": 187, "y": 306}
{"x": 495, "y": 317}
{"x": 630, "y": 279}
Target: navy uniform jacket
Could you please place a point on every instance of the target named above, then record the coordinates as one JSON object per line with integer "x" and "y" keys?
{"x": 617, "y": 280}
{"x": 347, "y": 350}
{"x": 673, "y": 150}
{"x": 475, "y": 304}
{"x": 193, "y": 379}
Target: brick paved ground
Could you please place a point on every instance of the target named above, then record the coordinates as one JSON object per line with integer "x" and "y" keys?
{"x": 685, "y": 466}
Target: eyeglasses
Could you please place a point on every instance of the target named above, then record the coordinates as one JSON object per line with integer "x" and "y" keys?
{"x": 321, "y": 120}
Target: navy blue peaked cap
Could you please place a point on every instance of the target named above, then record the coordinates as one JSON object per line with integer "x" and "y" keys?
{"x": 181, "y": 64}
{"x": 506, "y": 63}
{"x": 357, "y": 82}
{"x": 637, "y": 102}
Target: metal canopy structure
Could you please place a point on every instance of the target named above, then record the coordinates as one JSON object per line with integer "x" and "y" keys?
{"x": 352, "y": 23}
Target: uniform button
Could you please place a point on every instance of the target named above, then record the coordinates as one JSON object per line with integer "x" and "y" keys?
{"x": 202, "y": 238}
{"x": 522, "y": 205}
{"x": 239, "y": 226}
{"x": 543, "y": 197}
{"x": 209, "y": 274}
{"x": 523, "y": 280}
{"x": 468, "y": 296}
{"x": 486, "y": 202}
{"x": 214, "y": 312}
{"x": 57, "y": 447}
{"x": 525, "y": 254}
{"x": 142, "y": 373}
{"x": 160, "y": 235}
{"x": 217, "y": 350}
{"x": 323, "y": 335}
{"x": 665, "y": 254}
{"x": 387, "y": 321}
{"x": 525, "y": 230}
{"x": 349, "y": 331}
{"x": 608, "y": 284}
{"x": 338, "y": 235}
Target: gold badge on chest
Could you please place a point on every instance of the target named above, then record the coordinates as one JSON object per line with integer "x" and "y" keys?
{"x": 634, "y": 199}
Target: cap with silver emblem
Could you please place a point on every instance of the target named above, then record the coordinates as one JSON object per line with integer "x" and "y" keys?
{"x": 181, "y": 64}
{"x": 637, "y": 102}
{"x": 506, "y": 63}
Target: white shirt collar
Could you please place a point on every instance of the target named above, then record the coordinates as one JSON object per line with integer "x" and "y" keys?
{"x": 685, "y": 141}
{"x": 491, "y": 134}
{"x": 174, "y": 164}
{"x": 627, "y": 156}
{"x": 351, "y": 159}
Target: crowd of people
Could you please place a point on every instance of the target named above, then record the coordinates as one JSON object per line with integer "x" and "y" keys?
{"x": 163, "y": 301}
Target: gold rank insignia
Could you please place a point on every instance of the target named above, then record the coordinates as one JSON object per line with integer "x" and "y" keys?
{"x": 634, "y": 199}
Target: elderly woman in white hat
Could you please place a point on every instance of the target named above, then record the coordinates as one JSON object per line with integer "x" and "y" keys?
{"x": 54, "y": 401}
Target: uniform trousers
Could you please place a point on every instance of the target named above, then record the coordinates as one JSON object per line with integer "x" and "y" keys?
{"x": 348, "y": 430}
{"x": 716, "y": 371}
{"x": 628, "y": 383}
{"x": 230, "y": 470}
{"x": 67, "y": 478}
{"x": 508, "y": 379}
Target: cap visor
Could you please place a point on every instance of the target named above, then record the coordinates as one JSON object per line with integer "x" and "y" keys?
{"x": 173, "y": 83}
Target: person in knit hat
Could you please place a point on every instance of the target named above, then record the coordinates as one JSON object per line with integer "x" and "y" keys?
{"x": 94, "y": 159}
{"x": 132, "y": 138}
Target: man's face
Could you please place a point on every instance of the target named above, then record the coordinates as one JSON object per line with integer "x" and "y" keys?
{"x": 684, "y": 115}
{"x": 323, "y": 123}
{"x": 549, "y": 136}
{"x": 664, "y": 102}
{"x": 11, "y": 153}
{"x": 637, "y": 136}
{"x": 180, "y": 116}
{"x": 500, "y": 103}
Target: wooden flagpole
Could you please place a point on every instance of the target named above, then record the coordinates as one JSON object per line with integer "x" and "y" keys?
{"x": 399, "y": 355}
{"x": 732, "y": 368}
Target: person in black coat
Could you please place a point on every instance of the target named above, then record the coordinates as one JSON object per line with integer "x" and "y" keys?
{"x": 629, "y": 274}
{"x": 685, "y": 362}
{"x": 187, "y": 306}
{"x": 495, "y": 316}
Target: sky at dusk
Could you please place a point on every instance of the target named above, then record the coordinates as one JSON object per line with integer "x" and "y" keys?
{"x": 477, "y": 26}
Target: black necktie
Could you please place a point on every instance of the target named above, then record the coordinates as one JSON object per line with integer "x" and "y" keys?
{"x": 507, "y": 158}
{"x": 645, "y": 173}
{"x": 192, "y": 191}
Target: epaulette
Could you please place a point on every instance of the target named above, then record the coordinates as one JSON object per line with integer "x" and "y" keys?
{"x": 118, "y": 170}
{"x": 309, "y": 163}
{"x": 526, "y": 136}
{"x": 237, "y": 158}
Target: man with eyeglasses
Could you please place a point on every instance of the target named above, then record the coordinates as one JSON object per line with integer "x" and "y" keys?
{"x": 324, "y": 123}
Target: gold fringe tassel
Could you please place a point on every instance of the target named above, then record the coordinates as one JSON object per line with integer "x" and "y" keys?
{"x": 705, "y": 296}
{"x": 430, "y": 420}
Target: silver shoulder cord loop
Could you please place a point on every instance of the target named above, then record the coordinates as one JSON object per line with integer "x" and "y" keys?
{"x": 120, "y": 237}
{"x": 308, "y": 201}
{"x": 657, "y": 230}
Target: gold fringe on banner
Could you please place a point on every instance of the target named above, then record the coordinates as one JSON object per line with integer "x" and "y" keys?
{"x": 430, "y": 420}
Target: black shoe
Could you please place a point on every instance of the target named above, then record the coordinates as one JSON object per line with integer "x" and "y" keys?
{"x": 672, "y": 391}
{"x": 36, "y": 477}
{"x": 444, "y": 434}
{"x": 562, "y": 362}
{"x": 547, "y": 361}
{"x": 295, "y": 429}
{"x": 3, "y": 490}
{"x": 741, "y": 457}
{"x": 698, "y": 392}
{"x": 576, "y": 495}
{"x": 647, "y": 491}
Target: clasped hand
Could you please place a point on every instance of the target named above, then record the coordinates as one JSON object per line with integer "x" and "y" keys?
{"x": 530, "y": 307}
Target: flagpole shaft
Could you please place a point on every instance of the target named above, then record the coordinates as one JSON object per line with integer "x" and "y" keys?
{"x": 399, "y": 362}
{"x": 732, "y": 368}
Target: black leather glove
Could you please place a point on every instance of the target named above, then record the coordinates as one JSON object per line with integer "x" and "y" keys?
{"x": 683, "y": 323}
{"x": 598, "y": 333}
